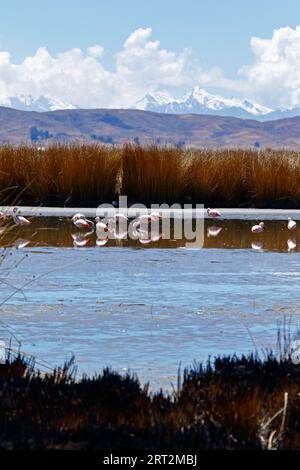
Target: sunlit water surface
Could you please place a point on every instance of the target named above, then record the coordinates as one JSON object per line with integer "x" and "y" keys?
{"x": 147, "y": 307}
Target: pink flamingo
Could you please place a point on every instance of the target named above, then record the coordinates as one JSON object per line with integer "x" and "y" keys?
{"x": 146, "y": 220}
{"x": 19, "y": 219}
{"x": 213, "y": 213}
{"x": 118, "y": 218}
{"x": 79, "y": 220}
{"x": 100, "y": 226}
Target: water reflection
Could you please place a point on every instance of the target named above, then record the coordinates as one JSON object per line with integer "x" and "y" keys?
{"x": 214, "y": 231}
{"x": 225, "y": 234}
{"x": 291, "y": 243}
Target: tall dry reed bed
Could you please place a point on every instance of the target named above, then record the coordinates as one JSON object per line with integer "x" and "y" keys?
{"x": 93, "y": 174}
{"x": 232, "y": 403}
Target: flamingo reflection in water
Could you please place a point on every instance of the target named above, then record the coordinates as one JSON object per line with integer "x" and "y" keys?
{"x": 101, "y": 241}
{"x": 214, "y": 231}
{"x": 257, "y": 246}
{"x": 292, "y": 225}
{"x": 145, "y": 237}
{"x": 21, "y": 243}
{"x": 80, "y": 238}
{"x": 291, "y": 243}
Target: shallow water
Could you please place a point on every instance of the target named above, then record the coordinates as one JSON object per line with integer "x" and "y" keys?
{"x": 147, "y": 307}
{"x": 222, "y": 234}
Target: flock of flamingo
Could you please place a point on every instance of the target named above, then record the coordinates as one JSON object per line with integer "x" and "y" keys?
{"x": 140, "y": 227}
{"x": 257, "y": 228}
{"x": 213, "y": 213}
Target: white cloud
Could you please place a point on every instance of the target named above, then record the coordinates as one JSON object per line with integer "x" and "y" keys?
{"x": 79, "y": 77}
{"x": 274, "y": 77}
{"x": 95, "y": 51}
{"x": 143, "y": 66}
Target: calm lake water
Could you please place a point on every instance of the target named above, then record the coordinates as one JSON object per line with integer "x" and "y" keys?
{"x": 147, "y": 307}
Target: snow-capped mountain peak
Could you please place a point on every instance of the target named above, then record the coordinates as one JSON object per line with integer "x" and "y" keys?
{"x": 42, "y": 103}
{"x": 218, "y": 102}
{"x": 199, "y": 101}
{"x": 157, "y": 98}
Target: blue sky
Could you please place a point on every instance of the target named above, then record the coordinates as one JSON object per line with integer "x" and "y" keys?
{"x": 217, "y": 32}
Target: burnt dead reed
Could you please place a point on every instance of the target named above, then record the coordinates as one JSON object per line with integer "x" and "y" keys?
{"x": 229, "y": 403}
{"x": 87, "y": 175}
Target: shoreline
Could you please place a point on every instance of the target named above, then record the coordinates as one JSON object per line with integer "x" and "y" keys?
{"x": 227, "y": 213}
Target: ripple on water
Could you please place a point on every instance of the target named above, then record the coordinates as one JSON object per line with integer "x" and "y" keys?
{"x": 149, "y": 309}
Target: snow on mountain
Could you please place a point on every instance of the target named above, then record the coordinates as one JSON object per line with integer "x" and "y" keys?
{"x": 199, "y": 101}
{"x": 43, "y": 103}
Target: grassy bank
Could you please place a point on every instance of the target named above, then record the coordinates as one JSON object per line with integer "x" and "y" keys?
{"x": 93, "y": 174}
{"x": 232, "y": 403}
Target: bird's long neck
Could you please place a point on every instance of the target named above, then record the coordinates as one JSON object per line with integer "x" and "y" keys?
{"x": 89, "y": 221}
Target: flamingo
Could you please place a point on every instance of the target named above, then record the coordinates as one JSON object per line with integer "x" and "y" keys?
{"x": 81, "y": 223}
{"x": 118, "y": 218}
{"x": 291, "y": 224}
{"x": 79, "y": 220}
{"x": 100, "y": 226}
{"x": 145, "y": 220}
{"x": 258, "y": 228}
{"x": 213, "y": 213}
{"x": 155, "y": 216}
{"x": 78, "y": 215}
{"x": 19, "y": 219}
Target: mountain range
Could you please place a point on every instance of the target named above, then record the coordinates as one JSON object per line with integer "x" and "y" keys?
{"x": 119, "y": 126}
{"x": 199, "y": 101}
{"x": 196, "y": 101}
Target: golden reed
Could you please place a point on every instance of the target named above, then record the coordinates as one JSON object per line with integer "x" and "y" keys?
{"x": 92, "y": 174}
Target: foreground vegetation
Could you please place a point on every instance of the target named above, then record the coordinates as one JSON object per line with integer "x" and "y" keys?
{"x": 232, "y": 403}
{"x": 88, "y": 175}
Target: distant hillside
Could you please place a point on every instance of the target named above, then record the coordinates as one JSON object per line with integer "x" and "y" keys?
{"x": 117, "y": 126}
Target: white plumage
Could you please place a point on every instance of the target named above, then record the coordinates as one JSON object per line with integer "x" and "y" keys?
{"x": 213, "y": 213}
{"x": 291, "y": 224}
{"x": 258, "y": 228}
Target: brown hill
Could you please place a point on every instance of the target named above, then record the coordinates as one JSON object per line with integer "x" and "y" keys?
{"x": 117, "y": 126}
